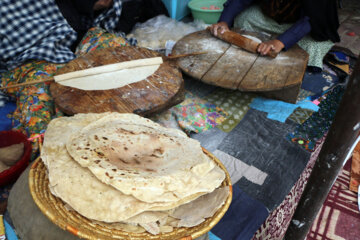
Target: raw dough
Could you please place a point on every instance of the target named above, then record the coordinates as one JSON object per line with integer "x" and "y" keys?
{"x": 111, "y": 80}
{"x": 110, "y": 76}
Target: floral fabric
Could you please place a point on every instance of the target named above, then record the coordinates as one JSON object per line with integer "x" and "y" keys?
{"x": 98, "y": 38}
{"x": 193, "y": 115}
{"x": 35, "y": 107}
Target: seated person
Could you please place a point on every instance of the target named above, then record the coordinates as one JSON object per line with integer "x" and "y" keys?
{"x": 78, "y": 13}
{"x": 311, "y": 24}
{"x": 35, "y": 41}
{"x": 50, "y": 29}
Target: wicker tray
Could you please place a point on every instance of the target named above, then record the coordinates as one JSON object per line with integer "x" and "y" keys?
{"x": 54, "y": 208}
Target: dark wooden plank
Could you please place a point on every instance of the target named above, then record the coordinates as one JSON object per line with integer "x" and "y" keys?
{"x": 158, "y": 92}
{"x": 198, "y": 66}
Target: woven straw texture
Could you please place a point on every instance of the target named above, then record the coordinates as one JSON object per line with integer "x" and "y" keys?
{"x": 54, "y": 208}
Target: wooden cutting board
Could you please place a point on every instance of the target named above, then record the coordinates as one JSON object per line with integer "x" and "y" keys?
{"x": 156, "y": 93}
{"x": 230, "y": 67}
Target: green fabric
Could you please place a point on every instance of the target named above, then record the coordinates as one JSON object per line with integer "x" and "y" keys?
{"x": 252, "y": 19}
{"x": 300, "y": 115}
{"x": 234, "y": 102}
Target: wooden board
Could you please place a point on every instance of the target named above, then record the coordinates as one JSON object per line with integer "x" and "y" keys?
{"x": 230, "y": 67}
{"x": 158, "y": 92}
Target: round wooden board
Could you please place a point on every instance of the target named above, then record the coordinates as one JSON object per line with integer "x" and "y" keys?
{"x": 228, "y": 66}
{"x": 158, "y": 92}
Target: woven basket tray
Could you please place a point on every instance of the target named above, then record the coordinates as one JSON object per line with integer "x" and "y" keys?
{"x": 54, "y": 208}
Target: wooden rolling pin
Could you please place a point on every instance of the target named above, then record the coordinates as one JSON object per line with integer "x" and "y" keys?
{"x": 105, "y": 69}
{"x": 242, "y": 42}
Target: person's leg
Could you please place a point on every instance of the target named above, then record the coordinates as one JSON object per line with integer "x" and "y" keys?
{"x": 316, "y": 50}
{"x": 35, "y": 107}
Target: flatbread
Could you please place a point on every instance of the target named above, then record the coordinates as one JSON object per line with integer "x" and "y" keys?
{"x": 112, "y": 75}
{"x": 143, "y": 159}
{"x": 109, "y": 68}
{"x": 79, "y": 188}
{"x": 3, "y": 167}
{"x": 195, "y": 212}
{"x": 11, "y": 154}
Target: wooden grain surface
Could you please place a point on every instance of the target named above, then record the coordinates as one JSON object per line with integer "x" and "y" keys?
{"x": 157, "y": 92}
{"x": 231, "y": 67}
{"x": 197, "y": 66}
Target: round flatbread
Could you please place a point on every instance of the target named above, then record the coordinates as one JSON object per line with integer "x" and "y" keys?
{"x": 143, "y": 159}
{"x": 79, "y": 188}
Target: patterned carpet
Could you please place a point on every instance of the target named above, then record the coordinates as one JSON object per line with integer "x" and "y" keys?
{"x": 339, "y": 217}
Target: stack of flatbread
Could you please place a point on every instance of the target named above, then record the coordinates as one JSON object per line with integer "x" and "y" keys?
{"x": 131, "y": 172}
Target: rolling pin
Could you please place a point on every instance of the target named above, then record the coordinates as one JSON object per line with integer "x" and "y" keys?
{"x": 242, "y": 42}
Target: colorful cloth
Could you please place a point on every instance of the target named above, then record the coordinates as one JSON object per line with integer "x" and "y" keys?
{"x": 252, "y": 19}
{"x": 319, "y": 123}
{"x": 32, "y": 29}
{"x": 193, "y": 115}
{"x": 340, "y": 57}
{"x": 98, "y": 38}
{"x": 35, "y": 107}
{"x": 318, "y": 83}
{"x": 279, "y": 110}
{"x": 303, "y": 94}
{"x": 234, "y": 102}
{"x": 300, "y": 115}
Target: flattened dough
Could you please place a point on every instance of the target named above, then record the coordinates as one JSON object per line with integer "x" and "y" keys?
{"x": 111, "y": 80}
{"x": 110, "y": 76}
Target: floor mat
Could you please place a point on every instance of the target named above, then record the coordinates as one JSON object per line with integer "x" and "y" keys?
{"x": 260, "y": 143}
{"x": 339, "y": 217}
